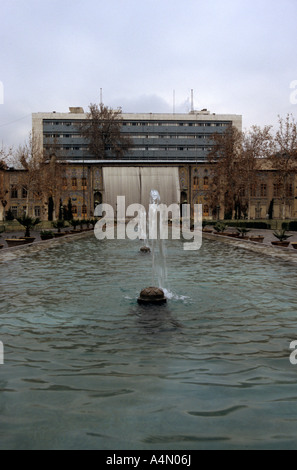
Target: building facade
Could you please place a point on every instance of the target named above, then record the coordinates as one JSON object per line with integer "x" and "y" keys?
{"x": 178, "y": 144}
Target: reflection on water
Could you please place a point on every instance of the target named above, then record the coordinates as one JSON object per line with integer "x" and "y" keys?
{"x": 156, "y": 319}
{"x": 87, "y": 367}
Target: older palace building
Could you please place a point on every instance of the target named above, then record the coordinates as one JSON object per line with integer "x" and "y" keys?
{"x": 169, "y": 153}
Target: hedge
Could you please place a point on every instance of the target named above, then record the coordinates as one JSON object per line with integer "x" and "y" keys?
{"x": 291, "y": 226}
{"x": 246, "y": 224}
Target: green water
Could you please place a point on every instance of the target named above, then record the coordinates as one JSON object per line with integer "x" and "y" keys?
{"x": 85, "y": 367}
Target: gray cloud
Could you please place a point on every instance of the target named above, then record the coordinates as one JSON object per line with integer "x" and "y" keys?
{"x": 237, "y": 55}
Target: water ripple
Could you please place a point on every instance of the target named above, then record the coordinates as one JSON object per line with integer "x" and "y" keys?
{"x": 84, "y": 361}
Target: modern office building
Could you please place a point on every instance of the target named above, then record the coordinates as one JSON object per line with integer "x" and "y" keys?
{"x": 162, "y": 138}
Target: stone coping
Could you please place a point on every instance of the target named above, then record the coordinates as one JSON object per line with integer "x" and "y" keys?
{"x": 265, "y": 248}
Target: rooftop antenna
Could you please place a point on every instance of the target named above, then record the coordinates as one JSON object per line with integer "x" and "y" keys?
{"x": 192, "y": 101}
{"x": 173, "y": 101}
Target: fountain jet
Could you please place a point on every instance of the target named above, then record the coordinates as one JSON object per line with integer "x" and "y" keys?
{"x": 155, "y": 295}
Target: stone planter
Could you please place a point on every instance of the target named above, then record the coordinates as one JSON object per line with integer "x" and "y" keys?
{"x": 207, "y": 230}
{"x": 282, "y": 244}
{"x": 28, "y": 239}
{"x": 46, "y": 237}
{"x": 233, "y": 235}
{"x": 59, "y": 234}
{"x": 11, "y": 242}
{"x": 257, "y": 239}
{"x": 221, "y": 233}
{"x": 294, "y": 245}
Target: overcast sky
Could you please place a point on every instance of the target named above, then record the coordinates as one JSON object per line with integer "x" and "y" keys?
{"x": 239, "y": 57}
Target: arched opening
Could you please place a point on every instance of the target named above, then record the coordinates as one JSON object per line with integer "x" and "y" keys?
{"x": 205, "y": 210}
{"x": 196, "y": 182}
{"x": 97, "y": 199}
{"x": 74, "y": 211}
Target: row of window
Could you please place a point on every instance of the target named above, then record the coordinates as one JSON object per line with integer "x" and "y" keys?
{"x": 170, "y": 136}
{"x": 277, "y": 190}
{"x": 23, "y": 192}
{"x": 14, "y": 193}
{"x": 66, "y": 147}
{"x": 62, "y": 136}
{"x": 148, "y": 124}
{"x": 171, "y": 148}
{"x": 74, "y": 183}
{"x": 135, "y": 136}
{"x": 175, "y": 124}
{"x": 59, "y": 123}
{"x": 16, "y": 211}
{"x": 196, "y": 182}
{"x": 138, "y": 148}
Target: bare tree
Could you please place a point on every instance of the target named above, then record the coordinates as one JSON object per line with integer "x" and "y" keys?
{"x": 102, "y": 131}
{"x": 256, "y": 149}
{"x": 29, "y": 159}
{"x": 4, "y": 156}
{"x": 284, "y": 159}
{"x": 53, "y": 171}
{"x": 225, "y": 184}
{"x": 42, "y": 175}
{"x": 237, "y": 159}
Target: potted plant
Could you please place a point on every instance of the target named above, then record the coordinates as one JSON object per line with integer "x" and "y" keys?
{"x": 220, "y": 228}
{"x": 28, "y": 223}
{"x": 242, "y": 231}
{"x": 81, "y": 223}
{"x": 74, "y": 223}
{"x": 88, "y": 223}
{"x": 93, "y": 222}
{"x": 46, "y": 235}
{"x": 204, "y": 227}
{"x": 257, "y": 238}
{"x": 59, "y": 224}
{"x": 282, "y": 238}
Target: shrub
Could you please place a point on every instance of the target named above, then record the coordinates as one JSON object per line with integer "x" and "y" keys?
{"x": 250, "y": 224}
{"x": 9, "y": 215}
{"x": 291, "y": 226}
